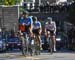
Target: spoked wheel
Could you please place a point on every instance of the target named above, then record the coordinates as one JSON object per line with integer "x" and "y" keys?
{"x": 50, "y": 46}
{"x": 37, "y": 46}
{"x": 23, "y": 42}
{"x": 23, "y": 51}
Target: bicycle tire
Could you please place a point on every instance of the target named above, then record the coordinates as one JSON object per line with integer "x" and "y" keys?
{"x": 51, "y": 45}
{"x": 37, "y": 47}
{"x": 23, "y": 46}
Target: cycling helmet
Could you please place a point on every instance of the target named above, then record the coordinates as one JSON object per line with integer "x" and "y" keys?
{"x": 34, "y": 18}
{"x": 49, "y": 19}
{"x": 25, "y": 12}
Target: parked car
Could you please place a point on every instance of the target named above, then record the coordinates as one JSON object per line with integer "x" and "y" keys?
{"x": 59, "y": 41}
{"x": 2, "y": 44}
{"x": 13, "y": 42}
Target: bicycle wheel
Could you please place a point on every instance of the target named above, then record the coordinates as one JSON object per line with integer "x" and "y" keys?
{"x": 50, "y": 45}
{"x": 28, "y": 45}
{"x": 37, "y": 46}
{"x": 23, "y": 46}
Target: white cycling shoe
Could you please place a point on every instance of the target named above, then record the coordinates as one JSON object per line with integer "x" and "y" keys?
{"x": 54, "y": 49}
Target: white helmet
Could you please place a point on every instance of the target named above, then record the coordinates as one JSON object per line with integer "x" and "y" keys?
{"x": 49, "y": 19}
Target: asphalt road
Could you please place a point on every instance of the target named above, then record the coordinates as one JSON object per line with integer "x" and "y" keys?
{"x": 44, "y": 56}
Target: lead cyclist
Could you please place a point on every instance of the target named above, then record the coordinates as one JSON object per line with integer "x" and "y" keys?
{"x": 25, "y": 27}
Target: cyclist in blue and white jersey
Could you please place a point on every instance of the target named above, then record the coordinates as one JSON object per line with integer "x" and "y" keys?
{"x": 37, "y": 29}
{"x": 26, "y": 23}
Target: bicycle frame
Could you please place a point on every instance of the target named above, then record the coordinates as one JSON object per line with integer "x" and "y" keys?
{"x": 36, "y": 45}
{"x": 25, "y": 44}
{"x": 50, "y": 42}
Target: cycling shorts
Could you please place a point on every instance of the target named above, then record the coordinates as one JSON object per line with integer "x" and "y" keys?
{"x": 51, "y": 32}
{"x": 36, "y": 31}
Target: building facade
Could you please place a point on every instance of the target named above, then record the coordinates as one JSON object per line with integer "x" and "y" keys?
{"x": 40, "y": 1}
{"x": 50, "y": 1}
{"x": 70, "y": 0}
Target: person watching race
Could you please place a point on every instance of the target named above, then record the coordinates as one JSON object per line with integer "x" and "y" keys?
{"x": 51, "y": 26}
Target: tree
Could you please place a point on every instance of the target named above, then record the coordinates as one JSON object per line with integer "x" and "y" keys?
{"x": 9, "y": 2}
{"x": 1, "y": 2}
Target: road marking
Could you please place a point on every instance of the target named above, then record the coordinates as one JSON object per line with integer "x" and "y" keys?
{"x": 33, "y": 58}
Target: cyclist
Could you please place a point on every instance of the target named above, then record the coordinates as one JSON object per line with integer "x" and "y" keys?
{"x": 51, "y": 26}
{"x": 37, "y": 29}
{"x": 25, "y": 25}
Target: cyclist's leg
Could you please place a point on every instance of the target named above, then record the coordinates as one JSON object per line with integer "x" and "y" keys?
{"x": 23, "y": 45}
{"x": 39, "y": 39}
{"x": 39, "y": 44}
{"x": 30, "y": 45}
{"x": 35, "y": 45}
{"x": 49, "y": 41}
{"x": 54, "y": 42}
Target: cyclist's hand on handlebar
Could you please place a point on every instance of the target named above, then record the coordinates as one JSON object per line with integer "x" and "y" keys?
{"x": 31, "y": 34}
{"x": 39, "y": 33}
{"x": 23, "y": 24}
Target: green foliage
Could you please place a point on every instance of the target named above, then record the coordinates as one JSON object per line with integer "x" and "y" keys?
{"x": 1, "y": 2}
{"x": 17, "y": 1}
{"x": 21, "y": 9}
{"x": 9, "y": 2}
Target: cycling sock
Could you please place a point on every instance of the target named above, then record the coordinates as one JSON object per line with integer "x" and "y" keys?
{"x": 54, "y": 48}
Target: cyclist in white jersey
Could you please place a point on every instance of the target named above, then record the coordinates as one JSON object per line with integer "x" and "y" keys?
{"x": 37, "y": 29}
{"x": 51, "y": 26}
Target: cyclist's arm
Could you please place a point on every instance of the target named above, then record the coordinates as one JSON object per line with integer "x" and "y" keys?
{"x": 40, "y": 28}
{"x": 30, "y": 29}
{"x": 45, "y": 30}
{"x": 31, "y": 26}
{"x": 20, "y": 22}
{"x": 54, "y": 27}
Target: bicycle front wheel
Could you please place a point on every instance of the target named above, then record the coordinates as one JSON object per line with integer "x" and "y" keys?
{"x": 50, "y": 46}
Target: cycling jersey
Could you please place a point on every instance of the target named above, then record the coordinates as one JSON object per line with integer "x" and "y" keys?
{"x": 25, "y": 23}
{"x": 36, "y": 27}
{"x": 51, "y": 27}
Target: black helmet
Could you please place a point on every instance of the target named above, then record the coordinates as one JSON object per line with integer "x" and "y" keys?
{"x": 25, "y": 12}
{"x": 34, "y": 18}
